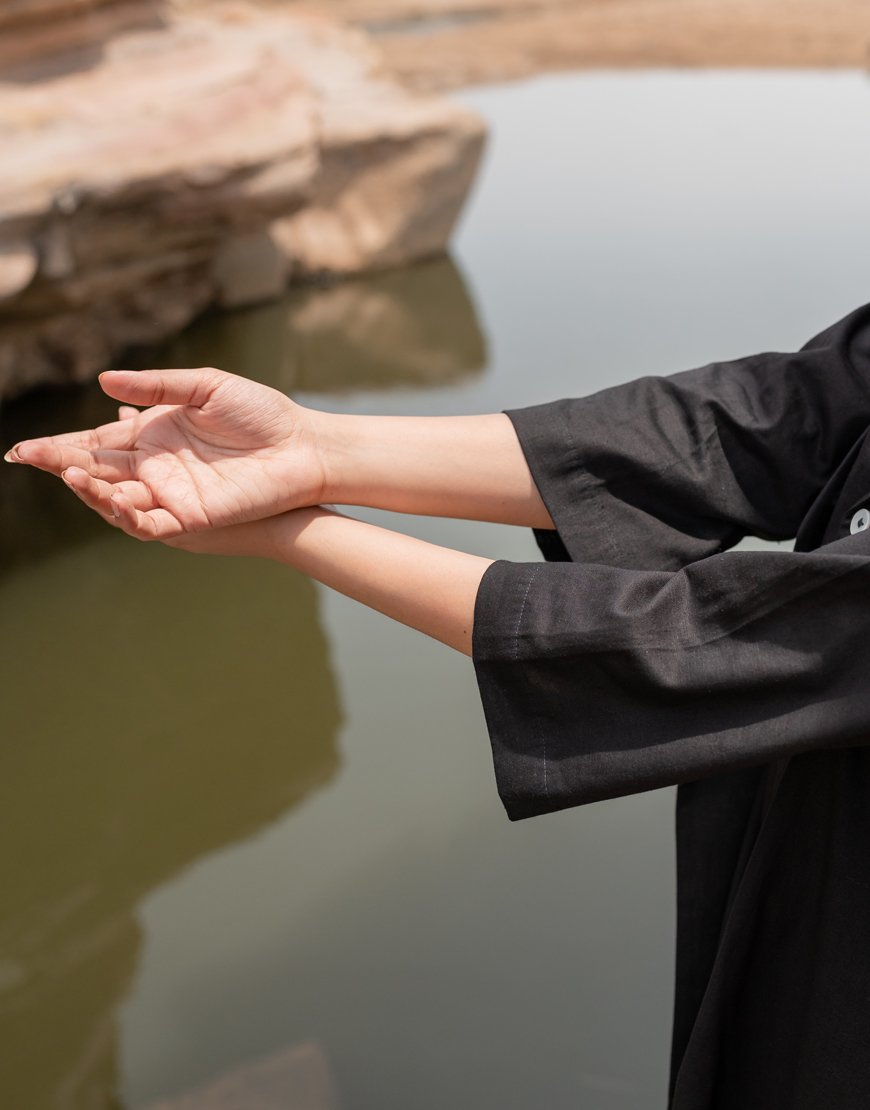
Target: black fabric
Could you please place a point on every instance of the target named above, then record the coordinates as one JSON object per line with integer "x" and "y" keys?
{"x": 647, "y": 654}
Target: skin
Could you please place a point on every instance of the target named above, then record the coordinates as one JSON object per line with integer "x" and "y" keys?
{"x": 218, "y": 464}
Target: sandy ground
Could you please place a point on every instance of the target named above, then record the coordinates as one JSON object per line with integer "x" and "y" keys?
{"x": 439, "y": 44}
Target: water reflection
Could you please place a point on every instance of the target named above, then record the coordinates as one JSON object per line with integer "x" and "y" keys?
{"x": 415, "y": 326}
{"x": 37, "y": 515}
{"x": 297, "y": 1078}
{"x": 191, "y": 702}
{"x": 161, "y": 707}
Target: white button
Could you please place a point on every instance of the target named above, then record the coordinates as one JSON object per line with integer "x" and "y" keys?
{"x": 860, "y": 521}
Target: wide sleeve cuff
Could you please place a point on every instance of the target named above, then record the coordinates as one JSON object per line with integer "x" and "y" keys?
{"x": 663, "y": 471}
{"x": 599, "y": 521}
{"x": 519, "y": 753}
{"x": 598, "y": 518}
{"x": 598, "y": 682}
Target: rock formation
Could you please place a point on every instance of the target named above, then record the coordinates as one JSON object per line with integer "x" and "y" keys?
{"x": 209, "y": 160}
{"x": 46, "y": 36}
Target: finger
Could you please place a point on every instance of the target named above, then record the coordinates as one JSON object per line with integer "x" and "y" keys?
{"x": 151, "y": 524}
{"x": 125, "y": 514}
{"x": 119, "y": 436}
{"x": 44, "y": 454}
{"x": 162, "y": 387}
{"x": 127, "y": 412}
{"x": 137, "y": 493}
{"x": 97, "y": 495}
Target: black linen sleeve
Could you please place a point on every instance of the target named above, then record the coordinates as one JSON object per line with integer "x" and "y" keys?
{"x": 651, "y": 656}
{"x": 660, "y": 472}
{"x": 599, "y": 681}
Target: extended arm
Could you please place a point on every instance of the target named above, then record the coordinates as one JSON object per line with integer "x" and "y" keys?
{"x": 654, "y": 473}
{"x": 215, "y": 450}
{"x": 427, "y": 587}
{"x": 471, "y": 467}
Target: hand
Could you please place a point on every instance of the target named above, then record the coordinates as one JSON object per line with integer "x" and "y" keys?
{"x": 255, "y": 539}
{"x": 214, "y": 450}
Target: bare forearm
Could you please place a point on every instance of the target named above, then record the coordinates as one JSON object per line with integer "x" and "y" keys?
{"x": 239, "y": 451}
{"x": 430, "y": 588}
{"x": 470, "y": 467}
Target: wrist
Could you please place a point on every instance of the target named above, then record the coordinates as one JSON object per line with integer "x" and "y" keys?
{"x": 340, "y": 455}
{"x": 279, "y": 540}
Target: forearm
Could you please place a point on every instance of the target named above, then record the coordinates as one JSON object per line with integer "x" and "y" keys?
{"x": 469, "y": 467}
{"x": 430, "y": 588}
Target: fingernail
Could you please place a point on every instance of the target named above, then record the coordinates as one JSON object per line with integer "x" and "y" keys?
{"x": 116, "y": 512}
{"x": 12, "y": 455}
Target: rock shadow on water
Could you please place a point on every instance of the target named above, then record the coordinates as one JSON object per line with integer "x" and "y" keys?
{"x": 414, "y": 326}
{"x": 37, "y": 514}
{"x": 159, "y": 708}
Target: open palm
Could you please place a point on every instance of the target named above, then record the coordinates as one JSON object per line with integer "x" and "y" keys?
{"x": 214, "y": 450}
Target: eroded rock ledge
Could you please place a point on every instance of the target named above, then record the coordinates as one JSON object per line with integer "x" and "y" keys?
{"x": 210, "y": 159}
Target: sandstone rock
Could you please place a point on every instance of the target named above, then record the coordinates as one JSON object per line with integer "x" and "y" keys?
{"x": 185, "y": 121}
{"x": 41, "y": 37}
{"x": 249, "y": 269}
{"x": 394, "y": 170}
{"x": 16, "y": 13}
{"x": 172, "y": 174}
{"x": 391, "y": 184}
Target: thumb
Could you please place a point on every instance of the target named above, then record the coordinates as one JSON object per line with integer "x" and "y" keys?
{"x": 162, "y": 387}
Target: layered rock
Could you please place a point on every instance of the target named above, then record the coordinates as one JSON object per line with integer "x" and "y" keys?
{"x": 40, "y": 37}
{"x": 210, "y": 161}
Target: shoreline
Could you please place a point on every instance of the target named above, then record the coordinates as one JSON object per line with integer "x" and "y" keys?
{"x": 438, "y": 47}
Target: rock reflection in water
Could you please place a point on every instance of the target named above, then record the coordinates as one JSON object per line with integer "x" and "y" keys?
{"x": 162, "y": 707}
{"x": 298, "y": 1078}
{"x": 411, "y": 327}
{"x": 159, "y": 708}
{"x": 37, "y": 513}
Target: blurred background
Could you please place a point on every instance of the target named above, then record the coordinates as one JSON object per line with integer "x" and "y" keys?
{"x": 252, "y": 856}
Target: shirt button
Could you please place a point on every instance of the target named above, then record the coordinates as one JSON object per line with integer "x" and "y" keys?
{"x": 860, "y": 521}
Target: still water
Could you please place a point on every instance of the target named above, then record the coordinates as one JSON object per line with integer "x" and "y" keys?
{"x": 245, "y": 820}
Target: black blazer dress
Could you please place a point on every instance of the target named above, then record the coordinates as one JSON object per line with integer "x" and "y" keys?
{"x": 643, "y": 653}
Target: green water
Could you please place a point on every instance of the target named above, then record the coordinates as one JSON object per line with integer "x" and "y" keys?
{"x": 243, "y": 818}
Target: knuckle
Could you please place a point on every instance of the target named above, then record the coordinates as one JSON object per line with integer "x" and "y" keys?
{"x": 209, "y": 381}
